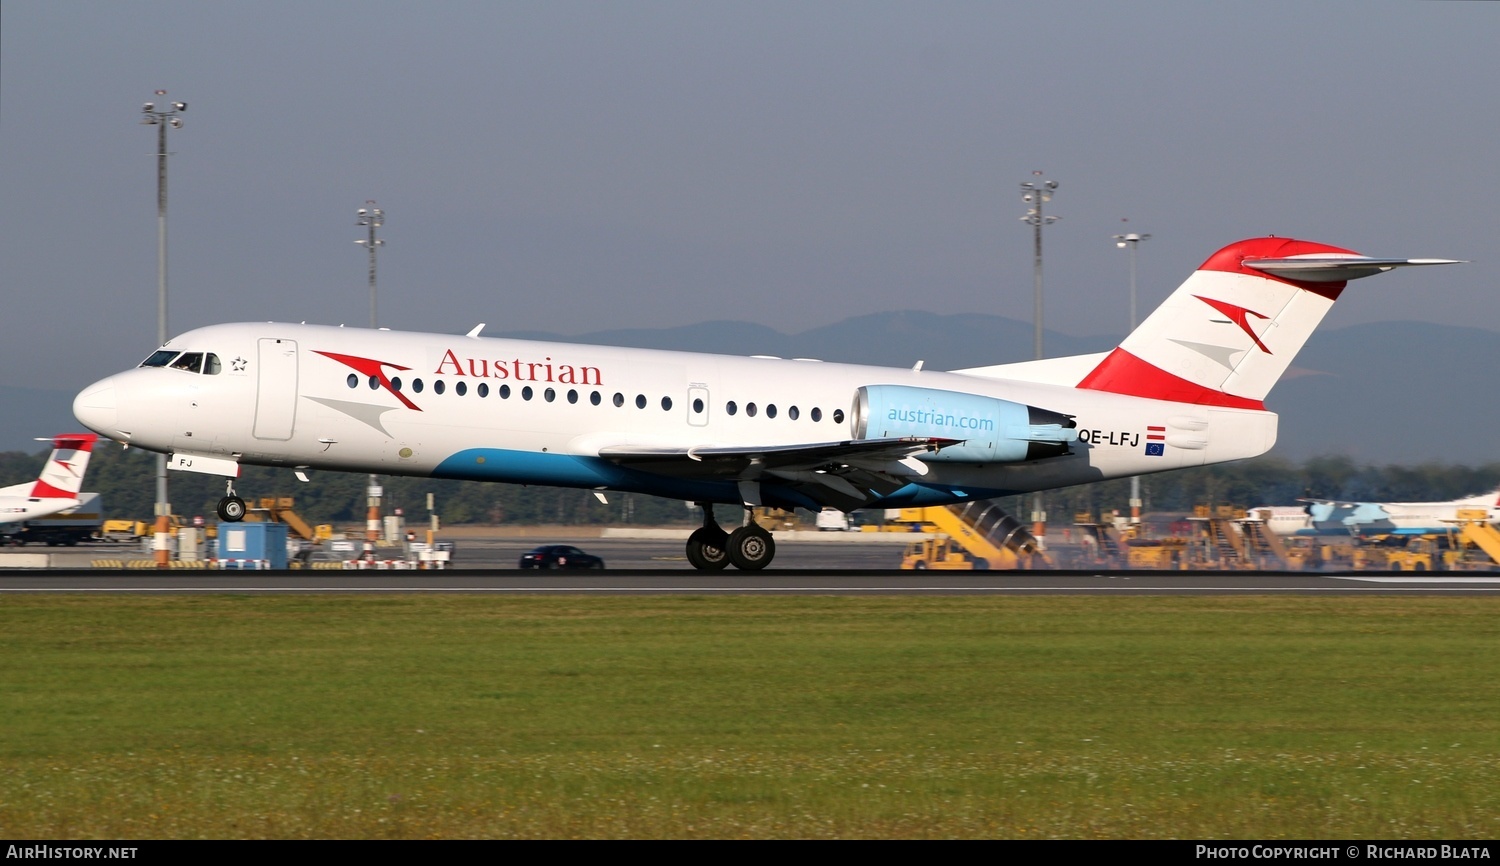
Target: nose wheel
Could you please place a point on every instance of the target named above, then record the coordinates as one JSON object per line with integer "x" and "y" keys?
{"x": 231, "y": 508}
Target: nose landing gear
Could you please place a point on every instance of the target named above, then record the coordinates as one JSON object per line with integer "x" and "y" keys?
{"x": 231, "y": 508}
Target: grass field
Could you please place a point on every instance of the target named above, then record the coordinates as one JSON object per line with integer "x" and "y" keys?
{"x": 460, "y": 717}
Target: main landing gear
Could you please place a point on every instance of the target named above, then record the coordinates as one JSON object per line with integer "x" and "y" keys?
{"x": 231, "y": 508}
{"x": 710, "y": 548}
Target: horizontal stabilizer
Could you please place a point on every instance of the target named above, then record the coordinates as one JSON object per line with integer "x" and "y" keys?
{"x": 1336, "y": 268}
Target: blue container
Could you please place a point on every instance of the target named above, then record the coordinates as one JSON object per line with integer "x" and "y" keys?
{"x": 252, "y": 545}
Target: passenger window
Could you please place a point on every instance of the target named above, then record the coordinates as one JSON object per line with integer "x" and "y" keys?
{"x": 211, "y": 365}
{"x": 395, "y": 383}
{"x": 731, "y": 408}
{"x": 160, "y": 358}
{"x": 374, "y": 383}
{"x": 770, "y": 410}
{"x": 792, "y": 413}
{"x": 437, "y": 387}
{"x": 572, "y": 396}
{"x": 697, "y": 406}
{"x": 189, "y": 361}
{"x": 817, "y": 414}
{"x": 526, "y": 393}
{"x": 504, "y": 392}
{"x": 666, "y": 403}
{"x": 640, "y": 401}
{"x": 416, "y": 385}
{"x": 750, "y": 409}
{"x": 838, "y": 416}
{"x": 619, "y": 399}
{"x": 353, "y": 381}
{"x": 550, "y": 395}
{"x": 594, "y": 398}
{"x": 483, "y": 390}
{"x": 460, "y": 388}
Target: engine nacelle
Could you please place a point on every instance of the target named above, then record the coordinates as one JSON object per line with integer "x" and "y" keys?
{"x": 993, "y": 430}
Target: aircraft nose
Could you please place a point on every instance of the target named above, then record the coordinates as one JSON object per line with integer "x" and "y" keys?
{"x": 95, "y": 408}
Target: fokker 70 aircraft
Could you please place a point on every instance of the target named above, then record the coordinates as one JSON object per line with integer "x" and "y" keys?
{"x": 1335, "y": 517}
{"x": 56, "y": 489}
{"x": 1185, "y": 389}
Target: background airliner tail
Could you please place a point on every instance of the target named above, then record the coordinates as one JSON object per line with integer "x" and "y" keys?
{"x": 62, "y": 476}
{"x": 1231, "y": 330}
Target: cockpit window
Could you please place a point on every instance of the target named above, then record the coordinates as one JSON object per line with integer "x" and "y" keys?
{"x": 211, "y": 365}
{"x": 160, "y": 358}
{"x": 189, "y": 361}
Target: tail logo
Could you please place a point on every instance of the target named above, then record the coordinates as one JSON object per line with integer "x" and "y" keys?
{"x": 1240, "y": 316}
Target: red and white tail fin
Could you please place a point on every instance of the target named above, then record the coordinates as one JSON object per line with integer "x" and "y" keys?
{"x": 62, "y": 476}
{"x": 1227, "y": 334}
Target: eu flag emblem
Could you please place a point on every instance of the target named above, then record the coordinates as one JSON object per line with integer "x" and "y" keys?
{"x": 1155, "y": 449}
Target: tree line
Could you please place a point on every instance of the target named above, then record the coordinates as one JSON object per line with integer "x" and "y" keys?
{"x": 125, "y": 478}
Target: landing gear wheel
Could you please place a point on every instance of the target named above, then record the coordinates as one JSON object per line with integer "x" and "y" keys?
{"x": 231, "y": 509}
{"x": 706, "y": 548}
{"x": 751, "y": 548}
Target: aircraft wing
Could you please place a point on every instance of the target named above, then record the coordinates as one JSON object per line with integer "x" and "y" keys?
{"x": 845, "y": 475}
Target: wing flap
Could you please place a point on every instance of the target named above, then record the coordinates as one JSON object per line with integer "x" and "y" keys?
{"x": 846, "y": 474}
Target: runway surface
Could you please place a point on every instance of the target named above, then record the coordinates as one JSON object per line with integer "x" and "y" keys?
{"x": 770, "y": 582}
{"x": 658, "y": 567}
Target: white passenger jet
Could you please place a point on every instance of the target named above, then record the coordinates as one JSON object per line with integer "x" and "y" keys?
{"x": 1335, "y": 517}
{"x": 56, "y": 489}
{"x": 1185, "y": 389}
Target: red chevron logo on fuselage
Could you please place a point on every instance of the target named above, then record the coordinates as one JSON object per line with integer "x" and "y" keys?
{"x": 1240, "y": 316}
{"x": 373, "y": 369}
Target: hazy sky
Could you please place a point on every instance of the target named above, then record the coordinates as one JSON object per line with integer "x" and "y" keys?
{"x": 579, "y": 166}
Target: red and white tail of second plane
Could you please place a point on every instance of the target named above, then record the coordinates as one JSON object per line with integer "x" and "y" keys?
{"x": 56, "y": 489}
{"x": 1185, "y": 389}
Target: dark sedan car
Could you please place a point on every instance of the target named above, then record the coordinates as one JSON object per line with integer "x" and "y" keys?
{"x": 559, "y": 556}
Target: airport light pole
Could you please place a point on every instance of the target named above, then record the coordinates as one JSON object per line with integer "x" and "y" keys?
{"x": 1132, "y": 241}
{"x": 372, "y": 218}
{"x": 1037, "y": 193}
{"x": 162, "y": 117}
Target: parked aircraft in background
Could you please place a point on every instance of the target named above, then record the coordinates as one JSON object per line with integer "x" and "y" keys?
{"x": 56, "y": 489}
{"x": 1185, "y": 389}
{"x": 1332, "y": 517}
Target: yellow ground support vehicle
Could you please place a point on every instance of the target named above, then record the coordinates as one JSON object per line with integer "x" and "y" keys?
{"x": 939, "y": 554}
{"x": 974, "y": 535}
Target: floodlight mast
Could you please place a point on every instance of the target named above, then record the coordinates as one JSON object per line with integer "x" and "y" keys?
{"x": 1037, "y": 193}
{"x": 162, "y": 118}
{"x": 372, "y": 217}
{"x": 1132, "y": 241}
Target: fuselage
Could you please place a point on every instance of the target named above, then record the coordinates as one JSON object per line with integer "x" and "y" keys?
{"x": 467, "y": 407}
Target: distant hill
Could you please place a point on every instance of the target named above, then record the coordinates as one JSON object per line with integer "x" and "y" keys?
{"x": 1390, "y": 392}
